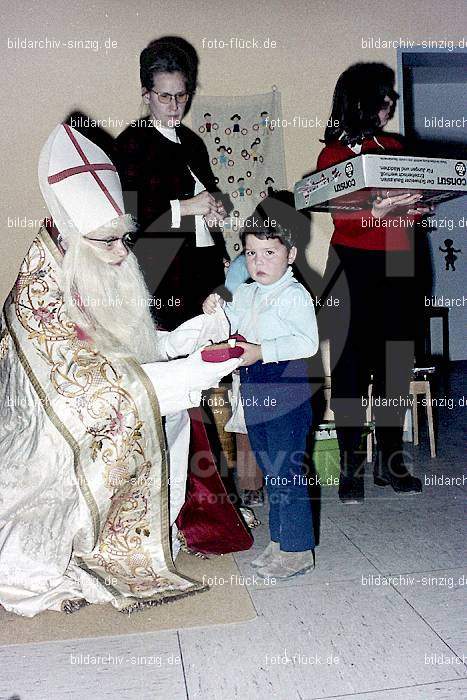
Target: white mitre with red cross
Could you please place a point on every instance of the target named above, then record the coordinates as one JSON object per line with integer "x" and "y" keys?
{"x": 79, "y": 183}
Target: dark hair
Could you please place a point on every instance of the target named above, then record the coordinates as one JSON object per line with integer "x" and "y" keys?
{"x": 358, "y": 97}
{"x": 169, "y": 54}
{"x": 284, "y": 235}
{"x": 283, "y": 220}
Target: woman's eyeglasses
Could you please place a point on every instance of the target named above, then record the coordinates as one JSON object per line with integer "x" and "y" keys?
{"x": 166, "y": 97}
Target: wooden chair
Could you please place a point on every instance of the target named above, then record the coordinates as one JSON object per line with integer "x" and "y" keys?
{"x": 329, "y": 416}
{"x": 422, "y": 388}
{"x": 417, "y": 388}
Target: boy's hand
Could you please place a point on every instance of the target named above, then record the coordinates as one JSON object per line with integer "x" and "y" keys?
{"x": 252, "y": 354}
{"x": 211, "y": 303}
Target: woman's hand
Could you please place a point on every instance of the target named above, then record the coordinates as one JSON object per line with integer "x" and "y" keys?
{"x": 384, "y": 205}
{"x": 201, "y": 205}
{"x": 211, "y": 303}
{"x": 252, "y": 354}
{"x": 423, "y": 210}
{"x": 214, "y": 218}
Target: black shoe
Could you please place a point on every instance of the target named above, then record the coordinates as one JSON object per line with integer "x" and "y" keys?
{"x": 402, "y": 481}
{"x": 390, "y": 467}
{"x": 398, "y": 476}
{"x": 380, "y": 475}
{"x": 351, "y": 490}
{"x": 406, "y": 483}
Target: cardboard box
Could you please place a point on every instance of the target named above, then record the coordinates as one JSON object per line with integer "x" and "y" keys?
{"x": 353, "y": 184}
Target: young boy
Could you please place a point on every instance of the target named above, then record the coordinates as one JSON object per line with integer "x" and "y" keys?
{"x": 275, "y": 314}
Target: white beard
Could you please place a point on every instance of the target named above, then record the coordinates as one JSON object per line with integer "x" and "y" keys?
{"x": 109, "y": 302}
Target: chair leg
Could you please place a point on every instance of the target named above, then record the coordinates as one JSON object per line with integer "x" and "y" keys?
{"x": 429, "y": 413}
{"x": 415, "y": 419}
{"x": 369, "y": 447}
{"x": 369, "y": 437}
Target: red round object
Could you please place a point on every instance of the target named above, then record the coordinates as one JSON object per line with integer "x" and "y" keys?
{"x": 220, "y": 354}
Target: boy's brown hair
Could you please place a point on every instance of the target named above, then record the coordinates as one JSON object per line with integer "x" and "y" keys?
{"x": 284, "y": 235}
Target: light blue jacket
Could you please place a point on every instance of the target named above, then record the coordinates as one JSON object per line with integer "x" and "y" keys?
{"x": 279, "y": 316}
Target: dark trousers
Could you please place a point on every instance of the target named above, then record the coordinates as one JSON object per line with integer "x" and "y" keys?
{"x": 276, "y": 403}
{"x": 374, "y": 337}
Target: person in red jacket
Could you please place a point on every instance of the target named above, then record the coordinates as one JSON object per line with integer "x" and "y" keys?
{"x": 375, "y": 249}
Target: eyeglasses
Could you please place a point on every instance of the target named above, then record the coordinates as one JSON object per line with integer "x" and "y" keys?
{"x": 126, "y": 239}
{"x": 166, "y": 97}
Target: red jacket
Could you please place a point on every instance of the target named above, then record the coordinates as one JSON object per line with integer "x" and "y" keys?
{"x": 356, "y": 229}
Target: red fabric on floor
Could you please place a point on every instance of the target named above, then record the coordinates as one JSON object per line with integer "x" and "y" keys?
{"x": 208, "y": 520}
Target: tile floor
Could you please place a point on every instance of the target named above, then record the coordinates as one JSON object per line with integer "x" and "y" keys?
{"x": 381, "y": 617}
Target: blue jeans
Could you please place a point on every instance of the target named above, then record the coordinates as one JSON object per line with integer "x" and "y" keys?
{"x": 276, "y": 403}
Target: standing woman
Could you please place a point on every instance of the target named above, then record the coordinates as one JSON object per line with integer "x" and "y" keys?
{"x": 170, "y": 188}
{"x": 374, "y": 246}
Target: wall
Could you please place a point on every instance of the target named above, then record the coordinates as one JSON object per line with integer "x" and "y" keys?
{"x": 316, "y": 40}
{"x": 447, "y": 100}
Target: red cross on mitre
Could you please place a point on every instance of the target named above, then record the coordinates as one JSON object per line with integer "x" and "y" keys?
{"x": 87, "y": 167}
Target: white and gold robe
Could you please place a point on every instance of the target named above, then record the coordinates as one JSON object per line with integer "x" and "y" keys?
{"x": 84, "y": 482}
